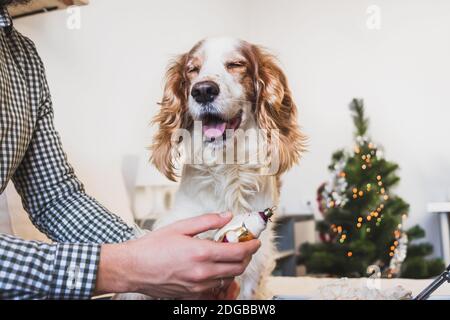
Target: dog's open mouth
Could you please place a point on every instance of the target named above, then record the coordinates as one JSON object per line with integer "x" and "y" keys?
{"x": 213, "y": 126}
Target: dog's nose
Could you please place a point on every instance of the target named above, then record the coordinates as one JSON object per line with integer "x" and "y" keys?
{"x": 205, "y": 91}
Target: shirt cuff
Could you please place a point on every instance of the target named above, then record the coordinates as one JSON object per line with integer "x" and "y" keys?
{"x": 74, "y": 271}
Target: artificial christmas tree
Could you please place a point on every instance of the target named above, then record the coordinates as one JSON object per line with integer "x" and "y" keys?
{"x": 363, "y": 222}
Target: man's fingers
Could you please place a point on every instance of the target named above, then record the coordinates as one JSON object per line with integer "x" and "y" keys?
{"x": 196, "y": 225}
{"x": 234, "y": 252}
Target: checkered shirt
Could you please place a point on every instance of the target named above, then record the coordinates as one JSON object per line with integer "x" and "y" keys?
{"x": 32, "y": 157}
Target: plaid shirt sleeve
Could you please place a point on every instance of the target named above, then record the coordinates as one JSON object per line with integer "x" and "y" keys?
{"x": 57, "y": 205}
{"x": 34, "y": 270}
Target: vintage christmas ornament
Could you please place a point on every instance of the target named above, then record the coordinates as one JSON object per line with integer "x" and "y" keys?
{"x": 245, "y": 227}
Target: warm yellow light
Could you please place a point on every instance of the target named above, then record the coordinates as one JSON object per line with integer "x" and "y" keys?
{"x": 349, "y": 254}
{"x": 358, "y": 225}
{"x": 360, "y": 193}
{"x": 355, "y": 190}
{"x": 378, "y": 177}
{"x": 360, "y": 219}
{"x": 369, "y": 218}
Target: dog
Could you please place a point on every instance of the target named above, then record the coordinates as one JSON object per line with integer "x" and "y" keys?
{"x": 226, "y": 86}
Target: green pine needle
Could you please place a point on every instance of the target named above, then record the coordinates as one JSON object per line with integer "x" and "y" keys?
{"x": 359, "y": 119}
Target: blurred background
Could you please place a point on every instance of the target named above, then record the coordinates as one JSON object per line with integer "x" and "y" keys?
{"x": 105, "y": 63}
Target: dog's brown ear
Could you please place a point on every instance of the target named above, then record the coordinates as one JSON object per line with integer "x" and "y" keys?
{"x": 276, "y": 110}
{"x": 172, "y": 116}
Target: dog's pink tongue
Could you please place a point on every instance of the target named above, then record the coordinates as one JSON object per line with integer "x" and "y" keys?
{"x": 214, "y": 130}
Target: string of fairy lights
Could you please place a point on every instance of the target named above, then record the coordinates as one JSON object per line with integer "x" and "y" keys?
{"x": 397, "y": 250}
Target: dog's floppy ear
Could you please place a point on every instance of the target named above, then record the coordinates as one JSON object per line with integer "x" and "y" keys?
{"x": 276, "y": 109}
{"x": 172, "y": 116}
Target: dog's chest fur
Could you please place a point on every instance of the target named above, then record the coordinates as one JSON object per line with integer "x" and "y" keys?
{"x": 235, "y": 188}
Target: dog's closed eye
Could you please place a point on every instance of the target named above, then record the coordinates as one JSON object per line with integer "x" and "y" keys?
{"x": 193, "y": 69}
{"x": 235, "y": 65}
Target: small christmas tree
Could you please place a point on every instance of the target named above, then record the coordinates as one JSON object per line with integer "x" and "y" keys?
{"x": 363, "y": 221}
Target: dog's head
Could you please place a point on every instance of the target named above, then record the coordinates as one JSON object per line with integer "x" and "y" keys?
{"x": 226, "y": 84}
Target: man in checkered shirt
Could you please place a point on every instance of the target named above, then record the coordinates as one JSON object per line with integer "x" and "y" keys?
{"x": 92, "y": 252}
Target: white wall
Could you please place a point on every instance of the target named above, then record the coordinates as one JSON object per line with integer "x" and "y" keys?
{"x": 106, "y": 79}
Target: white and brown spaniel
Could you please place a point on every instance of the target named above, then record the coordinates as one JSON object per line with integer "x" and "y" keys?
{"x": 225, "y": 88}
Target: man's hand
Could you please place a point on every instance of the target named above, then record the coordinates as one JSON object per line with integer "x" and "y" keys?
{"x": 170, "y": 263}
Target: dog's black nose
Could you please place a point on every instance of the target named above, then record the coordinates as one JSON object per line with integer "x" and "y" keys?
{"x": 205, "y": 91}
